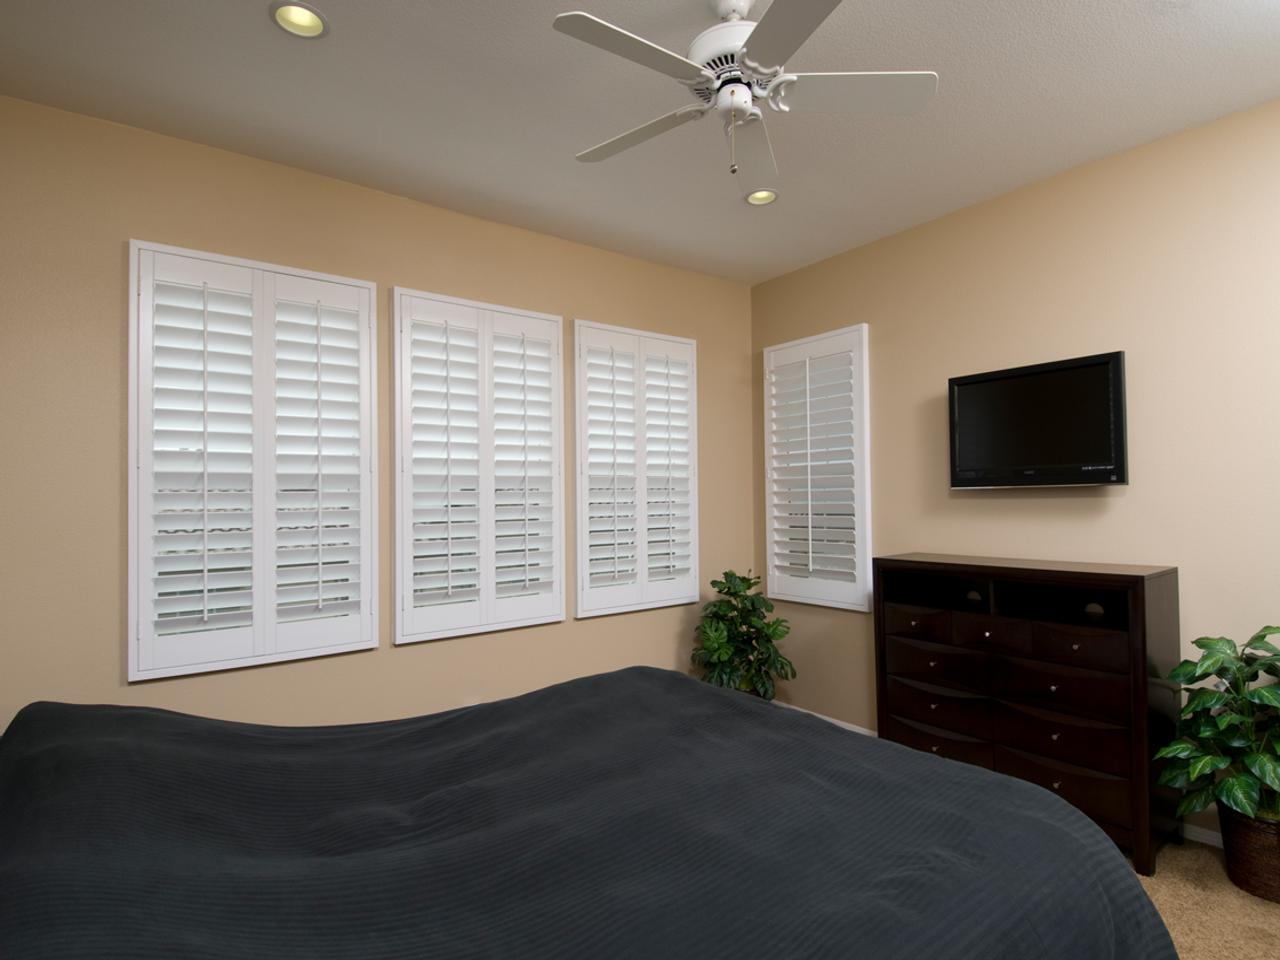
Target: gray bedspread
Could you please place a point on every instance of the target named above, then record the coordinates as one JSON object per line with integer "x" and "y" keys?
{"x": 632, "y": 814}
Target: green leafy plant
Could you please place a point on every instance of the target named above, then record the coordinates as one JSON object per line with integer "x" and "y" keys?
{"x": 738, "y": 643}
{"x": 1228, "y": 748}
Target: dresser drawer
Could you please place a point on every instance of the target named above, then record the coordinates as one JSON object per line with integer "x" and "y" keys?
{"x": 919, "y": 622}
{"x": 1101, "y": 796}
{"x": 942, "y": 743}
{"x": 936, "y": 663}
{"x": 1062, "y": 689}
{"x": 996, "y": 633}
{"x": 967, "y": 713}
{"x": 1087, "y": 647}
{"x": 1085, "y": 743}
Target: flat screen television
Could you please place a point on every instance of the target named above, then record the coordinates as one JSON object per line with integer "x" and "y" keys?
{"x": 1051, "y": 424}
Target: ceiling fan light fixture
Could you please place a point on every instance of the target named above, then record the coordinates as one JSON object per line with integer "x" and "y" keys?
{"x": 299, "y": 19}
{"x": 762, "y": 197}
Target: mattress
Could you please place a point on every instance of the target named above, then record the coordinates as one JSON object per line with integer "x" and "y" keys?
{"x": 633, "y": 814}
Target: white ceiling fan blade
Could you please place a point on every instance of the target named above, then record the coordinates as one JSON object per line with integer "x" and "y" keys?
{"x": 642, "y": 133}
{"x": 598, "y": 33}
{"x": 752, "y": 153}
{"x": 784, "y": 27}
{"x": 891, "y": 93}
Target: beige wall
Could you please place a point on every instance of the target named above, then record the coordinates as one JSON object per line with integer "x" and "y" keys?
{"x": 72, "y": 192}
{"x": 1170, "y": 252}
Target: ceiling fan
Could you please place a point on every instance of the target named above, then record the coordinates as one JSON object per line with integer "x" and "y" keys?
{"x": 735, "y": 66}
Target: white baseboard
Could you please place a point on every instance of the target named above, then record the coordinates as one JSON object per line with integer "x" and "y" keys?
{"x": 822, "y": 716}
{"x": 1203, "y": 835}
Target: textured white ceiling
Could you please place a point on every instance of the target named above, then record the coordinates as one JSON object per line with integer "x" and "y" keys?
{"x": 479, "y": 106}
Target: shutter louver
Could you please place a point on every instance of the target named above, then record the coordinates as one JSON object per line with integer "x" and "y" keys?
{"x": 611, "y": 467}
{"x": 445, "y": 471}
{"x": 816, "y": 524}
{"x": 318, "y": 475}
{"x": 201, "y": 458}
{"x": 524, "y": 558}
{"x": 667, "y": 467}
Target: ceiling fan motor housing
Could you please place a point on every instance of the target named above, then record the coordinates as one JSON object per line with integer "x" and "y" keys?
{"x": 718, "y": 45}
{"x": 716, "y": 49}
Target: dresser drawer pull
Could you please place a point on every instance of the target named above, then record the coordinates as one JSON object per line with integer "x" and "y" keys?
{"x": 1057, "y": 784}
{"x": 987, "y": 634}
{"x": 933, "y": 663}
{"x": 934, "y": 748}
{"x": 933, "y": 706}
{"x": 1054, "y": 736}
{"x": 915, "y": 623}
{"x": 1075, "y": 646}
{"x": 1053, "y": 688}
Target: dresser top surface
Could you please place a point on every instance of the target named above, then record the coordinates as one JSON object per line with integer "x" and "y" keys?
{"x": 1053, "y": 566}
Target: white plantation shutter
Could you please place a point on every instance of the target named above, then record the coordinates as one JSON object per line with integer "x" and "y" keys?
{"x": 637, "y": 463}
{"x": 224, "y": 549}
{"x": 443, "y": 496}
{"x": 198, "y": 542}
{"x": 479, "y": 497}
{"x": 608, "y": 422}
{"x": 320, "y": 470}
{"x": 817, "y": 521}
{"x": 524, "y": 466}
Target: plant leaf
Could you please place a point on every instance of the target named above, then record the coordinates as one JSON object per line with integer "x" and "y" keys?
{"x": 1195, "y": 801}
{"x": 1204, "y": 698}
{"x": 1265, "y": 768}
{"x": 1174, "y": 775}
{"x": 1223, "y": 645}
{"x": 1268, "y": 696}
{"x": 1182, "y": 749}
{"x": 1228, "y": 719}
{"x": 1259, "y": 641}
{"x": 1202, "y": 765}
{"x": 1184, "y": 672}
{"x": 1241, "y": 793}
{"x": 1209, "y": 663}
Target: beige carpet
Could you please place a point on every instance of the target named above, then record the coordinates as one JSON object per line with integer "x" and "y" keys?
{"x": 1208, "y": 916}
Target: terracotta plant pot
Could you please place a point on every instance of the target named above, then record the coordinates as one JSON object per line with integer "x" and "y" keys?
{"x": 1252, "y": 847}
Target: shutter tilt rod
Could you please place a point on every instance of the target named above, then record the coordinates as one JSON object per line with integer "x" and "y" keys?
{"x": 319, "y": 464}
{"x": 204, "y": 453}
{"x": 613, "y": 453}
{"x": 808, "y": 467}
{"x": 671, "y": 500}
{"x": 524, "y": 430}
{"x": 448, "y": 473}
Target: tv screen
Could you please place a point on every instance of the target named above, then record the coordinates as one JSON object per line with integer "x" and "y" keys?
{"x": 1052, "y": 424}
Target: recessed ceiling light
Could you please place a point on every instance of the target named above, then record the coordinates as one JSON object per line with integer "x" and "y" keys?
{"x": 300, "y": 19}
{"x": 759, "y": 198}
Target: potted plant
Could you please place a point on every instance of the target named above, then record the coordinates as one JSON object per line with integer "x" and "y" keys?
{"x": 1228, "y": 750}
{"x": 738, "y": 643}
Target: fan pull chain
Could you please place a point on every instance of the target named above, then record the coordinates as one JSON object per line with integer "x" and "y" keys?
{"x": 733, "y": 126}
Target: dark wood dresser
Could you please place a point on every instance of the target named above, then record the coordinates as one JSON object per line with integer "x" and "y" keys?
{"x": 1051, "y": 672}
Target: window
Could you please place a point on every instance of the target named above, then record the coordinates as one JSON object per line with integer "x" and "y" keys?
{"x": 817, "y": 515}
{"x": 637, "y": 470}
{"x": 252, "y": 497}
{"x": 479, "y": 500}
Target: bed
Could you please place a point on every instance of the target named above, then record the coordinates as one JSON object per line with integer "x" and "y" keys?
{"x": 633, "y": 814}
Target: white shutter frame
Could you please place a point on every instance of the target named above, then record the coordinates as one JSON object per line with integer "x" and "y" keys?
{"x": 190, "y": 653}
{"x": 489, "y": 612}
{"x": 845, "y": 594}
{"x": 646, "y": 592}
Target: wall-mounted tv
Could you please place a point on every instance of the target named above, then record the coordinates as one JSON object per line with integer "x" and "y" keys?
{"x": 1051, "y": 424}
